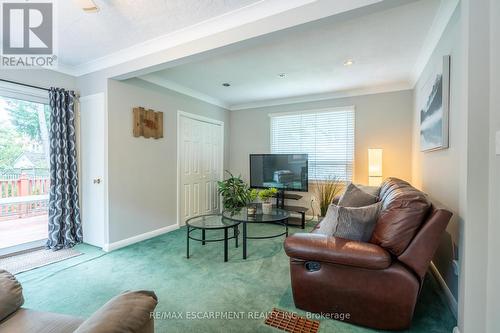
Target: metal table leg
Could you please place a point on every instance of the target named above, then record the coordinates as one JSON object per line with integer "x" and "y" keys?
{"x": 187, "y": 242}
{"x": 225, "y": 243}
{"x": 236, "y": 234}
{"x": 244, "y": 240}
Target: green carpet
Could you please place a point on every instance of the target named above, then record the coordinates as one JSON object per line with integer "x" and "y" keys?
{"x": 79, "y": 286}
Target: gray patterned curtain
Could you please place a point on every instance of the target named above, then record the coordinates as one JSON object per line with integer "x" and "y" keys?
{"x": 65, "y": 228}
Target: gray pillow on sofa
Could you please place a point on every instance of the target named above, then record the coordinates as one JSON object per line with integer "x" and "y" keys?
{"x": 354, "y": 223}
{"x": 373, "y": 190}
{"x": 11, "y": 294}
{"x": 356, "y": 197}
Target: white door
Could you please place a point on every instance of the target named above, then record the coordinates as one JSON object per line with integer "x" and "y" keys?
{"x": 200, "y": 167}
{"x": 92, "y": 147}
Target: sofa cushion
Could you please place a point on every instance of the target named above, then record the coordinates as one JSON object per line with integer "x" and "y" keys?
{"x": 355, "y": 197}
{"x": 129, "y": 312}
{"x": 404, "y": 208}
{"x": 354, "y": 223}
{"x": 11, "y": 294}
{"x": 30, "y": 321}
{"x": 335, "y": 250}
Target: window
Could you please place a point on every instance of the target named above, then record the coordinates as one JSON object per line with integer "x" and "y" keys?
{"x": 327, "y": 136}
{"x": 24, "y": 166}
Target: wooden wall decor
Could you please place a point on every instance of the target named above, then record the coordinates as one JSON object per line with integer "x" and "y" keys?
{"x": 148, "y": 123}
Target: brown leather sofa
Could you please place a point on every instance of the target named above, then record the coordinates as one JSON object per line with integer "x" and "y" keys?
{"x": 127, "y": 312}
{"x": 374, "y": 284}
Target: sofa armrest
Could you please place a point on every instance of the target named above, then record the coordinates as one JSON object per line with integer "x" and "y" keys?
{"x": 323, "y": 248}
{"x": 11, "y": 294}
{"x": 129, "y": 312}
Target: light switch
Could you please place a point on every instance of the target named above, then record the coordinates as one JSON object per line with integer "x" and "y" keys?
{"x": 497, "y": 143}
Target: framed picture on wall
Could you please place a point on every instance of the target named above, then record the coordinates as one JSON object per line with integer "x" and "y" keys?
{"x": 435, "y": 108}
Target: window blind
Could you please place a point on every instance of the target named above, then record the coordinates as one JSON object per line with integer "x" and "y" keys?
{"x": 326, "y": 136}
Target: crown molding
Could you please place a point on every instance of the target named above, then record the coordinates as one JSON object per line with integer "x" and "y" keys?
{"x": 65, "y": 69}
{"x": 162, "y": 82}
{"x": 392, "y": 87}
{"x": 441, "y": 20}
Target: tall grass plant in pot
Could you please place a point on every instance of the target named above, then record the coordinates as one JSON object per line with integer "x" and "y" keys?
{"x": 325, "y": 191}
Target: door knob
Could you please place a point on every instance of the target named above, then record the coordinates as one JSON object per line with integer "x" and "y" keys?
{"x": 97, "y": 180}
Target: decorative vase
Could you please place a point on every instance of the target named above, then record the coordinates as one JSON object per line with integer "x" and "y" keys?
{"x": 251, "y": 210}
{"x": 267, "y": 208}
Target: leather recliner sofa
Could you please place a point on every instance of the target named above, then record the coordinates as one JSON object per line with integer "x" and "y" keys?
{"x": 373, "y": 284}
{"x": 128, "y": 312}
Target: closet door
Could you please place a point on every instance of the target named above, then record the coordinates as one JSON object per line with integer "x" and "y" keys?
{"x": 93, "y": 122}
{"x": 200, "y": 156}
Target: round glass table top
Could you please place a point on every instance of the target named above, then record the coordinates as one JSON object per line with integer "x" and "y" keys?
{"x": 276, "y": 215}
{"x": 211, "y": 221}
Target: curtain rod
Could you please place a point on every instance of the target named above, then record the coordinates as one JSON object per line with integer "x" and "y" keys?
{"x": 24, "y": 84}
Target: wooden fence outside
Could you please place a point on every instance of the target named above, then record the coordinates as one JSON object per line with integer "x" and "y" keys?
{"x": 23, "y": 195}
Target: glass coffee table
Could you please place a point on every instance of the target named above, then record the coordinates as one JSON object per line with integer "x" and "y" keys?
{"x": 278, "y": 216}
{"x": 212, "y": 222}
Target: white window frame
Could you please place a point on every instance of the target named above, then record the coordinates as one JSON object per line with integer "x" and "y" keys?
{"x": 322, "y": 110}
{"x": 29, "y": 94}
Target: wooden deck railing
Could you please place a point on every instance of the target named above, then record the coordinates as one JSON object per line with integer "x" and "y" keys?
{"x": 23, "y": 195}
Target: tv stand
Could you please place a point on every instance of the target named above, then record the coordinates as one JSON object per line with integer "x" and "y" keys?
{"x": 292, "y": 221}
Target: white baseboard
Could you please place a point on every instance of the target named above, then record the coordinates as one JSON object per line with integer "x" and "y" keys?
{"x": 452, "y": 302}
{"x": 135, "y": 239}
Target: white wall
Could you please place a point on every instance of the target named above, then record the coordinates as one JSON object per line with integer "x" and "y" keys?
{"x": 493, "y": 324}
{"x": 382, "y": 121}
{"x": 92, "y": 83}
{"x": 40, "y": 77}
{"x": 439, "y": 173}
{"x": 143, "y": 172}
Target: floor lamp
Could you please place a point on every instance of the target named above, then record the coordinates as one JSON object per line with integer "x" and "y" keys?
{"x": 375, "y": 166}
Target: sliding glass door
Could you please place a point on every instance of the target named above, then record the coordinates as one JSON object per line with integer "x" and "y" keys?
{"x": 24, "y": 171}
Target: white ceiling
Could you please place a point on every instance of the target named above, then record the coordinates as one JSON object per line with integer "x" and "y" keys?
{"x": 385, "y": 44}
{"x": 120, "y": 24}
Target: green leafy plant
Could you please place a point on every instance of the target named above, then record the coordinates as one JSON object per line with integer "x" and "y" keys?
{"x": 235, "y": 193}
{"x": 325, "y": 191}
{"x": 252, "y": 195}
{"x": 267, "y": 194}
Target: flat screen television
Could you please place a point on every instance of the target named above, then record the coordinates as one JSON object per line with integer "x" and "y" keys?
{"x": 287, "y": 172}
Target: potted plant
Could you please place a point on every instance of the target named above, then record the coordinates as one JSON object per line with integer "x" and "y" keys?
{"x": 251, "y": 208}
{"x": 235, "y": 193}
{"x": 265, "y": 196}
{"x": 325, "y": 192}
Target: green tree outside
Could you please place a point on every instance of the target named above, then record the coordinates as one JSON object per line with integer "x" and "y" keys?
{"x": 28, "y": 130}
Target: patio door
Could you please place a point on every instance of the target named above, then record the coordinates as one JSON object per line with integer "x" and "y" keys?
{"x": 24, "y": 167}
{"x": 200, "y": 156}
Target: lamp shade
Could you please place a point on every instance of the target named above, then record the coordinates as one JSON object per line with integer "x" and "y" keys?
{"x": 375, "y": 166}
